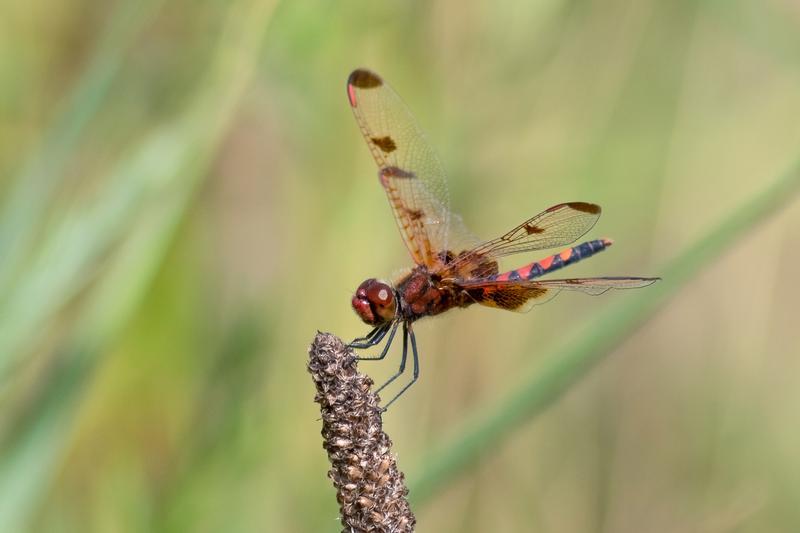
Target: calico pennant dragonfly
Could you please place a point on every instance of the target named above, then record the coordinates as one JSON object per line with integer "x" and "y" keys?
{"x": 452, "y": 268}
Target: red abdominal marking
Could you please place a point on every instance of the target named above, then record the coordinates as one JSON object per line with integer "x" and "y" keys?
{"x": 525, "y": 271}
{"x": 555, "y": 262}
{"x": 546, "y": 262}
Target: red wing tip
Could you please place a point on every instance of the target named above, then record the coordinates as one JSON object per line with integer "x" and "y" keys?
{"x": 364, "y": 79}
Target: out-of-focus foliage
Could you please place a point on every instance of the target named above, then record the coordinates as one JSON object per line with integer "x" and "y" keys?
{"x": 185, "y": 199}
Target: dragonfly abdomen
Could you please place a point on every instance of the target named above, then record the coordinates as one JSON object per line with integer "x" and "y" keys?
{"x": 555, "y": 262}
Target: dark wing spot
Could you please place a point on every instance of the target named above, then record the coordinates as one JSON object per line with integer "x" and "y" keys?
{"x": 395, "y": 172}
{"x": 384, "y": 143}
{"x": 533, "y": 229}
{"x": 415, "y": 214}
{"x": 584, "y": 207}
{"x": 364, "y": 79}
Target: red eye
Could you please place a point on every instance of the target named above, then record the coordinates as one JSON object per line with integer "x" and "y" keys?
{"x": 374, "y": 302}
{"x": 380, "y": 294}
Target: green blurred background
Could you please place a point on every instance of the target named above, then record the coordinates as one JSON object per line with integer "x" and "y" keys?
{"x": 186, "y": 199}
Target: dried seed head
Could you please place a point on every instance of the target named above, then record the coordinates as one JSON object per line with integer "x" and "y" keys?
{"x": 371, "y": 490}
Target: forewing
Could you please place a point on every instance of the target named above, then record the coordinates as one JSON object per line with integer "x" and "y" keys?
{"x": 408, "y": 168}
{"x": 559, "y": 225}
{"x": 522, "y": 295}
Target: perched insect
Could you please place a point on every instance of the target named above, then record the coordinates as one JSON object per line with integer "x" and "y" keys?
{"x": 453, "y": 269}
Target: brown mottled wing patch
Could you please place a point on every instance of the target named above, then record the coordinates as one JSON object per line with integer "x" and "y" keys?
{"x": 560, "y": 225}
{"x": 409, "y": 170}
{"x": 510, "y": 296}
{"x": 522, "y": 295}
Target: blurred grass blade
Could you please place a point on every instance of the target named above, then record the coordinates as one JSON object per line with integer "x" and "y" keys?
{"x": 71, "y": 251}
{"x": 42, "y": 172}
{"x": 154, "y": 186}
{"x": 65, "y": 263}
{"x": 229, "y": 384}
{"x": 566, "y": 365}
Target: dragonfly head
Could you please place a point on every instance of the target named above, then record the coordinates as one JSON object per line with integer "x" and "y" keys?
{"x": 374, "y": 302}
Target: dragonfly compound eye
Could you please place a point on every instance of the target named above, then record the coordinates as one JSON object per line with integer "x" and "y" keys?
{"x": 380, "y": 294}
{"x": 374, "y": 302}
{"x": 381, "y": 297}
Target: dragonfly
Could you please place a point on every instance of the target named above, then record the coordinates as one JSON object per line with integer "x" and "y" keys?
{"x": 452, "y": 268}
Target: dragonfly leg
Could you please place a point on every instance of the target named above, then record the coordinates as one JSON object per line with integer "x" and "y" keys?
{"x": 371, "y": 339}
{"x": 388, "y": 327}
{"x": 366, "y": 337}
{"x": 402, "y": 361}
{"x": 408, "y": 333}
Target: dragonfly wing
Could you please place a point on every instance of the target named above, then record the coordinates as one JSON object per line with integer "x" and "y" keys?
{"x": 522, "y": 296}
{"x": 408, "y": 168}
{"x": 557, "y": 226}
